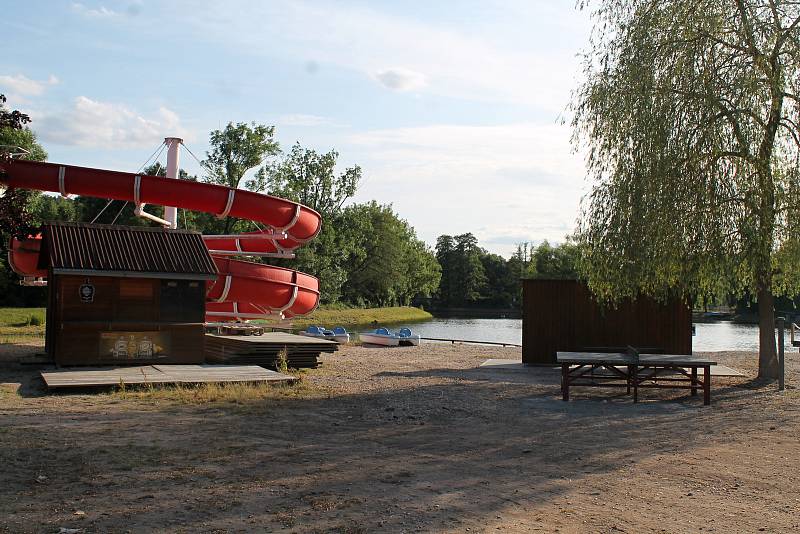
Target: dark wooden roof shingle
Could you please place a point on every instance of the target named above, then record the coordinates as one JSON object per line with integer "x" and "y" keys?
{"x": 79, "y": 247}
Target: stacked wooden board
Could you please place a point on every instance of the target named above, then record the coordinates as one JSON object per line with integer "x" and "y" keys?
{"x": 301, "y": 351}
{"x": 159, "y": 374}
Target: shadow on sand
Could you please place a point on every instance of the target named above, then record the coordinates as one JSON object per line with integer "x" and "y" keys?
{"x": 435, "y": 457}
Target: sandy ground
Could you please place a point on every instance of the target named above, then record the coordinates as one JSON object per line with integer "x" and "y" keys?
{"x": 406, "y": 440}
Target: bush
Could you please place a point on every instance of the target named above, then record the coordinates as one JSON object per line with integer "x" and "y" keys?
{"x": 282, "y": 362}
{"x": 35, "y": 320}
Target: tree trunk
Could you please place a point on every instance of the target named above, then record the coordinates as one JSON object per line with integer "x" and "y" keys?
{"x": 767, "y": 354}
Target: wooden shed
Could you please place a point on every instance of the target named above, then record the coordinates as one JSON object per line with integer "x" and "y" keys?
{"x": 124, "y": 295}
{"x": 562, "y": 315}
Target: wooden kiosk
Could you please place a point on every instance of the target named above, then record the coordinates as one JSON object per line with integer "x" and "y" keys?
{"x": 124, "y": 295}
{"x": 562, "y": 315}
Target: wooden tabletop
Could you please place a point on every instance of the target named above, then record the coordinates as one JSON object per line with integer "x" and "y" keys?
{"x": 617, "y": 358}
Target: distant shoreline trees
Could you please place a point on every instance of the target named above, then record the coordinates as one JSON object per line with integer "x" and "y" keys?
{"x": 475, "y": 278}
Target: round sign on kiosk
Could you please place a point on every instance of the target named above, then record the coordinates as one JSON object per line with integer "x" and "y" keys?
{"x": 86, "y": 291}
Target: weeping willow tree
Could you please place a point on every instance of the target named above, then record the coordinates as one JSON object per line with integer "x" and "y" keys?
{"x": 689, "y": 114}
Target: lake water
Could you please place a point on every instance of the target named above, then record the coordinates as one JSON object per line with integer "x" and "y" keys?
{"x": 709, "y": 336}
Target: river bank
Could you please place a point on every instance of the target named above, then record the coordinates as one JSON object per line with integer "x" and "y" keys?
{"x": 360, "y": 317}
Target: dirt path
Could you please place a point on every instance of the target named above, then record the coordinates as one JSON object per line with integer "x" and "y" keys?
{"x": 406, "y": 440}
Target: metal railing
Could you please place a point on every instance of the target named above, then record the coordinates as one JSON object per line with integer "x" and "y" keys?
{"x": 454, "y": 341}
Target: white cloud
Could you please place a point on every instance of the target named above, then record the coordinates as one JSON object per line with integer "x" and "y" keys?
{"x": 399, "y": 79}
{"x": 97, "y": 12}
{"x": 506, "y": 184}
{"x": 21, "y": 85}
{"x": 91, "y": 123}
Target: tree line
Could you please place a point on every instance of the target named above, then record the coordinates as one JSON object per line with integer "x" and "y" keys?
{"x": 472, "y": 277}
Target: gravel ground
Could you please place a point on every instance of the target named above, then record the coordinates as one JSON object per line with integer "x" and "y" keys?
{"x": 407, "y": 440}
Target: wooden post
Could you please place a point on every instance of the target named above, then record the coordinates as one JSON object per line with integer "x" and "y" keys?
{"x": 707, "y": 385}
{"x": 565, "y": 381}
{"x": 694, "y": 381}
{"x": 630, "y": 371}
{"x": 781, "y": 324}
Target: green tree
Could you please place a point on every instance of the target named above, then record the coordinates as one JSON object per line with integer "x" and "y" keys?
{"x": 310, "y": 179}
{"x": 236, "y": 150}
{"x": 13, "y": 138}
{"x": 16, "y": 217}
{"x": 463, "y": 275}
{"x": 690, "y": 114}
{"x": 52, "y": 208}
{"x": 445, "y": 255}
{"x": 518, "y": 268}
{"x": 423, "y": 272}
{"x": 324, "y": 257}
{"x": 18, "y": 141}
{"x": 157, "y": 169}
{"x": 500, "y": 288}
{"x": 365, "y": 254}
{"x": 391, "y": 266}
{"x": 469, "y": 269}
{"x": 560, "y": 261}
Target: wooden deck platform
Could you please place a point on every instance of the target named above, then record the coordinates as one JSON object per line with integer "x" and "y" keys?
{"x": 160, "y": 374}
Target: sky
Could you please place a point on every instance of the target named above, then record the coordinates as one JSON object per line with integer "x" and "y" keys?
{"x": 455, "y": 110}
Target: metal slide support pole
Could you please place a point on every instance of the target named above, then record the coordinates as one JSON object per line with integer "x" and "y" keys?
{"x": 173, "y": 156}
{"x": 781, "y": 323}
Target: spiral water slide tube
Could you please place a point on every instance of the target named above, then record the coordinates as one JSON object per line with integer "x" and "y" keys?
{"x": 243, "y": 289}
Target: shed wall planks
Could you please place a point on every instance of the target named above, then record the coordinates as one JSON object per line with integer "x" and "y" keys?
{"x": 562, "y": 315}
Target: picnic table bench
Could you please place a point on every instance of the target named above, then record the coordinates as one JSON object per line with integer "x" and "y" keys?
{"x": 631, "y": 371}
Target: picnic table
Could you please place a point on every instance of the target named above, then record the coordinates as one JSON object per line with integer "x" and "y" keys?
{"x": 634, "y": 371}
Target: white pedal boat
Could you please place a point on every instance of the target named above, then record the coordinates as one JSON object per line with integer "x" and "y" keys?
{"x": 406, "y": 337}
{"x": 338, "y": 334}
{"x": 381, "y": 336}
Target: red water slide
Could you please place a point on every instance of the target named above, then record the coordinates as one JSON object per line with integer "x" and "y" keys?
{"x": 243, "y": 290}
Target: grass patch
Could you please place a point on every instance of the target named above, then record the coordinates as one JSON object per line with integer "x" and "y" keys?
{"x": 17, "y": 331}
{"x": 9, "y": 392}
{"x": 19, "y": 317}
{"x": 362, "y": 316}
{"x": 222, "y": 393}
{"x": 18, "y": 325}
{"x": 15, "y": 337}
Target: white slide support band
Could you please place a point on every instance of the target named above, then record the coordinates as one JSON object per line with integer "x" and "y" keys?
{"x": 293, "y": 221}
{"x": 229, "y": 205}
{"x": 225, "y": 289}
{"x": 61, "y": 187}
